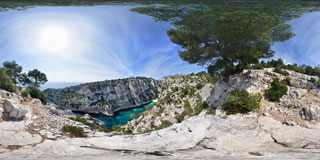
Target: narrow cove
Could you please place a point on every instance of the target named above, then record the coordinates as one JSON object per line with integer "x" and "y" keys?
{"x": 122, "y": 117}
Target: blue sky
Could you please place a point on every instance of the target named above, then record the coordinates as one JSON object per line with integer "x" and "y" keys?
{"x": 109, "y": 42}
{"x": 304, "y": 48}
{"x": 104, "y": 42}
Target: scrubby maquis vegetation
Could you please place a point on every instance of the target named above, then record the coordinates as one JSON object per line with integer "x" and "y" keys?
{"x": 278, "y": 70}
{"x": 73, "y": 131}
{"x": 10, "y": 75}
{"x": 5, "y": 81}
{"x": 84, "y": 121}
{"x": 36, "y": 93}
{"x": 25, "y": 93}
{"x": 240, "y": 101}
{"x": 276, "y": 91}
{"x": 279, "y": 66}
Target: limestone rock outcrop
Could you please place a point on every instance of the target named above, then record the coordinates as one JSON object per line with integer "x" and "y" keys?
{"x": 106, "y": 97}
{"x": 13, "y": 110}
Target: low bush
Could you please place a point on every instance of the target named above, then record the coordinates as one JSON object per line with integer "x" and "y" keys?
{"x": 36, "y": 93}
{"x": 199, "y": 85}
{"x": 25, "y": 93}
{"x": 210, "y": 110}
{"x": 84, "y": 121}
{"x": 313, "y": 80}
{"x": 280, "y": 71}
{"x": 277, "y": 90}
{"x": 128, "y": 131}
{"x": 164, "y": 124}
{"x": 240, "y": 101}
{"x": 318, "y": 83}
{"x": 74, "y": 131}
{"x": 187, "y": 108}
{"x": 6, "y": 82}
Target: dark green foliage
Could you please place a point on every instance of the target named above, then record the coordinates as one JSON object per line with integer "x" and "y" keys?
{"x": 25, "y": 93}
{"x": 175, "y": 89}
{"x": 240, "y": 101}
{"x": 277, "y": 90}
{"x": 180, "y": 117}
{"x": 74, "y": 131}
{"x": 128, "y": 131}
{"x": 278, "y": 70}
{"x": 13, "y": 70}
{"x": 37, "y": 77}
{"x": 187, "y": 108}
{"x": 210, "y": 110}
{"x": 168, "y": 98}
{"x": 218, "y": 46}
{"x": 164, "y": 124}
{"x": 313, "y": 80}
{"x": 279, "y": 64}
{"x": 6, "y": 82}
{"x": 187, "y": 91}
{"x": 36, "y": 93}
{"x": 318, "y": 83}
{"x": 288, "y": 81}
{"x": 117, "y": 129}
{"x": 199, "y": 85}
{"x": 107, "y": 130}
{"x": 161, "y": 109}
{"x": 84, "y": 121}
{"x": 24, "y": 79}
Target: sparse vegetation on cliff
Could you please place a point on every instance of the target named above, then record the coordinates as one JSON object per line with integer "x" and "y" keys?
{"x": 5, "y": 81}
{"x": 73, "y": 131}
{"x": 277, "y": 90}
{"x": 11, "y": 74}
{"x": 240, "y": 101}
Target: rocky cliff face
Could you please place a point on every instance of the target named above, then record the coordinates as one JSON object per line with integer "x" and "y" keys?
{"x": 107, "y": 96}
{"x": 187, "y": 95}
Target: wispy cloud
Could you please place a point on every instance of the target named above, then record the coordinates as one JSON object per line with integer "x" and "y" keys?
{"x": 304, "y": 48}
{"x": 106, "y": 42}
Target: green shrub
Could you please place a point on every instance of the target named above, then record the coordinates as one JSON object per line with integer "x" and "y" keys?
{"x": 175, "y": 89}
{"x": 6, "y": 82}
{"x": 200, "y": 105}
{"x": 318, "y": 83}
{"x": 74, "y": 131}
{"x": 277, "y": 90}
{"x": 25, "y": 93}
{"x": 180, "y": 117}
{"x": 161, "y": 109}
{"x": 287, "y": 81}
{"x": 210, "y": 110}
{"x": 199, "y": 86}
{"x": 117, "y": 128}
{"x": 191, "y": 91}
{"x": 128, "y": 131}
{"x": 187, "y": 108}
{"x": 164, "y": 124}
{"x": 84, "y": 121}
{"x": 278, "y": 70}
{"x": 106, "y": 130}
{"x": 36, "y": 93}
{"x": 313, "y": 80}
{"x": 240, "y": 101}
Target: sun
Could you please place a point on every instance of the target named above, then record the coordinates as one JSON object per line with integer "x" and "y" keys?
{"x": 54, "y": 38}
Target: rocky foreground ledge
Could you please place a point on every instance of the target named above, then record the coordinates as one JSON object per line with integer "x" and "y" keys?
{"x": 275, "y": 131}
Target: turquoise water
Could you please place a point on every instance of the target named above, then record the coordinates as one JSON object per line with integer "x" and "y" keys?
{"x": 122, "y": 117}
